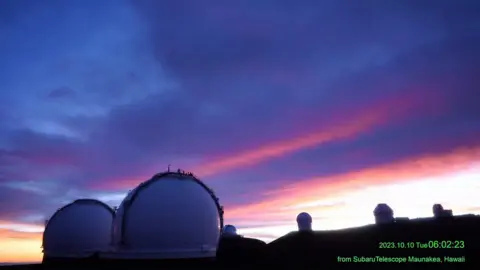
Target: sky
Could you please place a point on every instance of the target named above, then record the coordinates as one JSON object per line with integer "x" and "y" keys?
{"x": 328, "y": 107}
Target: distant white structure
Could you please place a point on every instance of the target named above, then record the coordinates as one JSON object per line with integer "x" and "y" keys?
{"x": 171, "y": 216}
{"x": 229, "y": 231}
{"x": 438, "y": 211}
{"x": 383, "y": 214}
{"x": 304, "y": 222}
{"x": 78, "y": 230}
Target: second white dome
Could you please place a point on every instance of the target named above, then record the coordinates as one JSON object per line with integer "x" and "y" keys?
{"x": 172, "y": 215}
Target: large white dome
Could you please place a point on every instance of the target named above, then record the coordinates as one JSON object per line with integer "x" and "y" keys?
{"x": 172, "y": 215}
{"x": 78, "y": 230}
{"x": 118, "y": 221}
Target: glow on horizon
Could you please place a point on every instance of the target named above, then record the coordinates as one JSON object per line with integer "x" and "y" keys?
{"x": 410, "y": 187}
{"x": 455, "y": 191}
{"x": 348, "y": 200}
{"x": 20, "y": 246}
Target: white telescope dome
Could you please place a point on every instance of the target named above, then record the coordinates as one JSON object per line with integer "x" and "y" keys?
{"x": 383, "y": 214}
{"x": 229, "y": 230}
{"x": 78, "y": 230}
{"x": 173, "y": 215}
{"x": 304, "y": 222}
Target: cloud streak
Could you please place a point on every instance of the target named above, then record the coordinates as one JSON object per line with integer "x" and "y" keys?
{"x": 408, "y": 170}
{"x": 395, "y": 108}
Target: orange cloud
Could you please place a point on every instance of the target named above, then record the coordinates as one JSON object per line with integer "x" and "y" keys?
{"x": 347, "y": 200}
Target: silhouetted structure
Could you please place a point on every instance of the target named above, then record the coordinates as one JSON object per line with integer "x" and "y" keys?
{"x": 402, "y": 219}
{"x": 229, "y": 231}
{"x": 383, "y": 214}
{"x": 428, "y": 239}
{"x": 295, "y": 250}
{"x": 235, "y": 251}
{"x": 439, "y": 212}
{"x": 304, "y": 222}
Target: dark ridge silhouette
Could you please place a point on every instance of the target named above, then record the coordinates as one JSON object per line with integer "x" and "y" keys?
{"x": 454, "y": 236}
{"x": 234, "y": 250}
{"x": 85, "y": 264}
{"x": 240, "y": 251}
{"x": 197, "y": 263}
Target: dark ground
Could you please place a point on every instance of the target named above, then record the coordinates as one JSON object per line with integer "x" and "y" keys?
{"x": 455, "y": 236}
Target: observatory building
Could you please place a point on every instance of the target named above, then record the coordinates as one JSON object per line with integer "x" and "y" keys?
{"x": 229, "y": 231}
{"x": 304, "y": 222}
{"x": 78, "y": 230}
{"x": 383, "y": 214}
{"x": 438, "y": 211}
{"x": 171, "y": 216}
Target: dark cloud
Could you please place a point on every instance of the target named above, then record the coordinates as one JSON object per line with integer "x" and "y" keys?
{"x": 17, "y": 204}
{"x": 203, "y": 41}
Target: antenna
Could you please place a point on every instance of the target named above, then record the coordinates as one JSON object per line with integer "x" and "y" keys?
{"x": 168, "y": 167}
